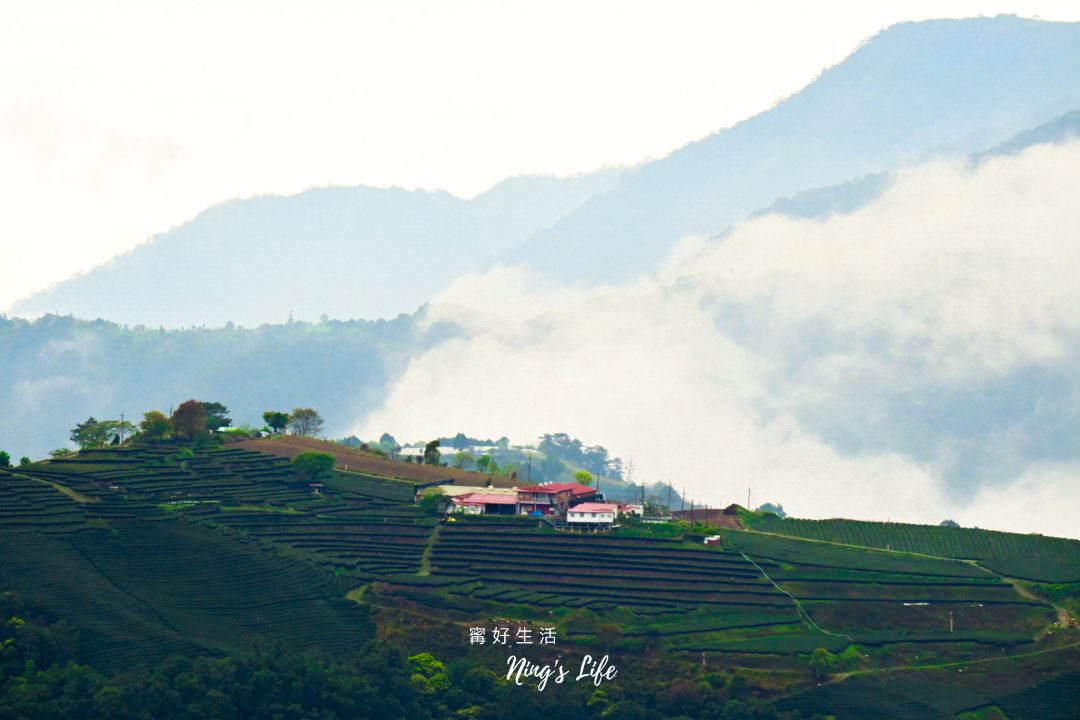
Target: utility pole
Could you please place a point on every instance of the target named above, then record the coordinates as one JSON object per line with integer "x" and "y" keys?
{"x": 682, "y": 500}
{"x": 121, "y": 428}
{"x": 748, "y": 499}
{"x": 669, "y": 488}
{"x": 530, "y": 468}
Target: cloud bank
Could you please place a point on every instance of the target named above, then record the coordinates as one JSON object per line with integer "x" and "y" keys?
{"x": 913, "y": 360}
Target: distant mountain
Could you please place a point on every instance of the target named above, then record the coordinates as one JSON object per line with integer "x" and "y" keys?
{"x": 854, "y": 194}
{"x": 916, "y": 91}
{"x": 346, "y": 252}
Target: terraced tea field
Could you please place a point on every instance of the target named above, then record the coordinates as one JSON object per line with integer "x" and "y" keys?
{"x": 359, "y": 525}
{"x": 166, "y": 550}
{"x": 866, "y": 597}
{"x": 1030, "y": 557}
{"x": 137, "y": 589}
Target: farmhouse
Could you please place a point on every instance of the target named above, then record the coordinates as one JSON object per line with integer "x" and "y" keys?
{"x": 484, "y": 503}
{"x": 551, "y": 498}
{"x": 592, "y": 514}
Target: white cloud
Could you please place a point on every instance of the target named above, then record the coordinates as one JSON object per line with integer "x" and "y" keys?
{"x": 969, "y": 272}
{"x": 1044, "y": 500}
{"x": 746, "y": 357}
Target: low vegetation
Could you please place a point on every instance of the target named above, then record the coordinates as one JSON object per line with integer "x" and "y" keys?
{"x": 295, "y": 550}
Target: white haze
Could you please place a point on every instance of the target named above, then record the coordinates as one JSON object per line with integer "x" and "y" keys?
{"x": 793, "y": 356}
{"x": 121, "y": 119}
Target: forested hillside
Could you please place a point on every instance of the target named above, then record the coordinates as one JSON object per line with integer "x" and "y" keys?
{"x": 60, "y": 370}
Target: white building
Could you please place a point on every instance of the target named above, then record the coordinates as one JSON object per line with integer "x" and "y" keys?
{"x": 592, "y": 514}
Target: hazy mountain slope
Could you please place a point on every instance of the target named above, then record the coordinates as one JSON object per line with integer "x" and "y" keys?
{"x": 915, "y": 91}
{"x": 346, "y": 252}
{"x": 58, "y": 371}
{"x": 854, "y": 194}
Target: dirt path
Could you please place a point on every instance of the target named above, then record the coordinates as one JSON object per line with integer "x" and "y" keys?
{"x": 73, "y": 494}
{"x": 798, "y": 605}
{"x": 425, "y": 559}
{"x": 1064, "y": 618}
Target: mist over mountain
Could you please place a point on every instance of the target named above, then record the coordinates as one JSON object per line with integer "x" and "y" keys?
{"x": 346, "y": 252}
{"x": 911, "y": 358}
{"x": 916, "y": 91}
{"x": 893, "y": 309}
{"x": 854, "y": 194}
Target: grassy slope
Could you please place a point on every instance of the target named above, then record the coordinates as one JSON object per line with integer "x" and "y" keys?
{"x": 226, "y": 549}
{"x": 1031, "y": 557}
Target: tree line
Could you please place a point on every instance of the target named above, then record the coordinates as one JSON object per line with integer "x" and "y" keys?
{"x": 41, "y": 678}
{"x": 191, "y": 421}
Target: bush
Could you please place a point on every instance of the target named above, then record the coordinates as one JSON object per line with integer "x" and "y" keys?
{"x": 434, "y": 502}
{"x": 310, "y": 466}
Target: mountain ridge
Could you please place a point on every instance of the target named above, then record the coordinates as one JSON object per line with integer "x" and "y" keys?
{"x": 714, "y": 182}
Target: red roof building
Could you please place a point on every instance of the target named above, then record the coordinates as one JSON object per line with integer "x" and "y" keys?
{"x": 550, "y": 498}
{"x": 484, "y": 503}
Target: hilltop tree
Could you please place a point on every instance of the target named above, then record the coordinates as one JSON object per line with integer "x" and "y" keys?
{"x": 775, "y": 508}
{"x": 189, "y": 420}
{"x": 305, "y": 421}
{"x": 459, "y": 441}
{"x": 95, "y": 433}
{"x": 583, "y": 477}
{"x": 24, "y": 461}
{"x": 311, "y": 466}
{"x": 431, "y": 453}
{"x": 88, "y": 434}
{"x": 388, "y": 442}
{"x": 5, "y": 460}
{"x": 275, "y": 420}
{"x": 595, "y": 459}
{"x": 217, "y": 415}
{"x": 154, "y": 426}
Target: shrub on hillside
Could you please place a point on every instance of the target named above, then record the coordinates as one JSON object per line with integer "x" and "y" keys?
{"x": 310, "y": 466}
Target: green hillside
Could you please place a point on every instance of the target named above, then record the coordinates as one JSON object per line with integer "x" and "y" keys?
{"x": 151, "y": 552}
{"x": 1030, "y": 557}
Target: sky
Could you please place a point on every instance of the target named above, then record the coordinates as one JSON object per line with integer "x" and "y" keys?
{"x": 119, "y": 120}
